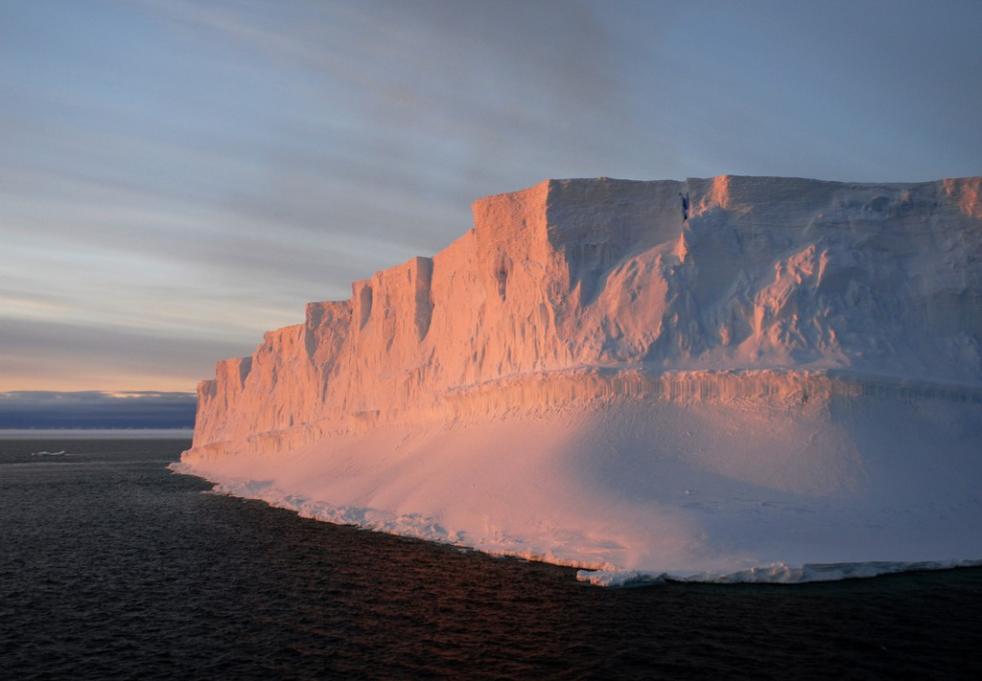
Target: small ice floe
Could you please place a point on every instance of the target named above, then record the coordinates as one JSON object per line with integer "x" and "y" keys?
{"x": 46, "y": 453}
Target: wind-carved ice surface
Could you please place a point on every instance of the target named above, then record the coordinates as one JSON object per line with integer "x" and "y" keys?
{"x": 779, "y": 381}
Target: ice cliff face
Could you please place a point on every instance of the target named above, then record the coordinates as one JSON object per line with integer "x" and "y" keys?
{"x": 757, "y": 273}
{"x": 736, "y": 378}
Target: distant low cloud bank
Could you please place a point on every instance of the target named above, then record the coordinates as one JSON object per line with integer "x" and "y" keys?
{"x": 96, "y": 409}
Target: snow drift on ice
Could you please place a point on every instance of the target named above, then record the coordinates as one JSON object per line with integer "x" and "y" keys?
{"x": 779, "y": 381}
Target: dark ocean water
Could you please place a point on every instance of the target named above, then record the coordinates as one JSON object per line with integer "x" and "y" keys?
{"x": 113, "y": 567}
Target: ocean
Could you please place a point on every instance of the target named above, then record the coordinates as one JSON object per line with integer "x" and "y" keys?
{"x": 113, "y": 567}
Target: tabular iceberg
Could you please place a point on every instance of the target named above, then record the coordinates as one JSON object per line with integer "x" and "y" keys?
{"x": 735, "y": 378}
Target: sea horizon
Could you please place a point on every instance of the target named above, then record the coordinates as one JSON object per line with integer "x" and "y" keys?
{"x": 95, "y": 433}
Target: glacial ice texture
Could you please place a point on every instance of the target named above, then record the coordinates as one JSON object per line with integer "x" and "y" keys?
{"x": 781, "y": 383}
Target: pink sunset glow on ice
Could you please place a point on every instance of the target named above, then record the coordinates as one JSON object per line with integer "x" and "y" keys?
{"x": 735, "y": 378}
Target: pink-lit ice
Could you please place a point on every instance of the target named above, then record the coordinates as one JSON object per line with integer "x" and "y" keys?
{"x": 781, "y": 383}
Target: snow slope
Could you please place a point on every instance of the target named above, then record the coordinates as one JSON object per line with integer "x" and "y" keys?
{"x": 787, "y": 373}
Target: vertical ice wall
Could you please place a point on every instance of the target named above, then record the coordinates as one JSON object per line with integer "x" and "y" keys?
{"x": 762, "y": 273}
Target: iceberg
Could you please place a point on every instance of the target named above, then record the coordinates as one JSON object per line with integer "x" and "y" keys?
{"x": 724, "y": 379}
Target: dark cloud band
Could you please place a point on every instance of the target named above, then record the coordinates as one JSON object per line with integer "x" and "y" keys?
{"x": 96, "y": 409}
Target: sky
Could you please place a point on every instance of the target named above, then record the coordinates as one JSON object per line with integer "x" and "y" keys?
{"x": 177, "y": 177}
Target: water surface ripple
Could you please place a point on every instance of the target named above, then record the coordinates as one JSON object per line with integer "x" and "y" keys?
{"x": 112, "y": 567}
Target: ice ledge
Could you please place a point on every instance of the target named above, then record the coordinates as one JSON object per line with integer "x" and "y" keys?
{"x": 594, "y": 572}
{"x": 774, "y": 573}
{"x": 587, "y": 388}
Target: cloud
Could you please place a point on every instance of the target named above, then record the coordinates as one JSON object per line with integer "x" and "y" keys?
{"x": 96, "y": 409}
{"x": 179, "y": 176}
{"x": 162, "y": 206}
{"x": 43, "y": 353}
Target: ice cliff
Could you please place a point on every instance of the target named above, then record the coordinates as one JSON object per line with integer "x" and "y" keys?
{"x": 725, "y": 378}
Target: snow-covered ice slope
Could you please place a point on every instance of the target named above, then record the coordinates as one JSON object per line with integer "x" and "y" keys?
{"x": 785, "y": 375}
